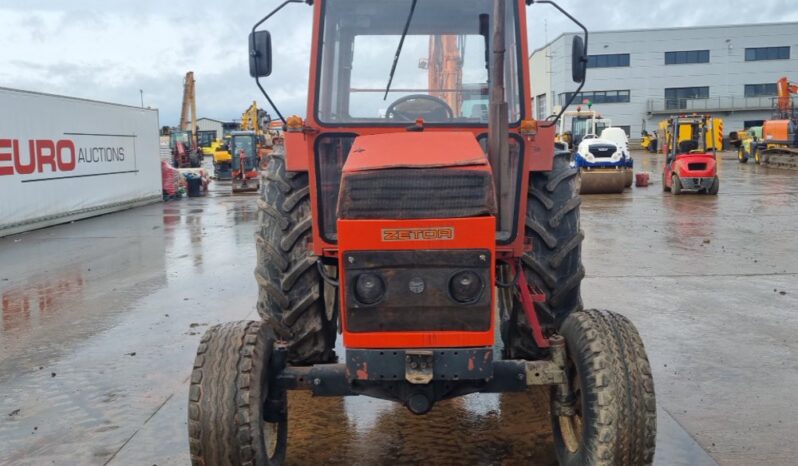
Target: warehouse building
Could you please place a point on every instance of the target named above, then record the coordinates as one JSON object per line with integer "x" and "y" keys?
{"x": 639, "y": 77}
{"x": 219, "y": 128}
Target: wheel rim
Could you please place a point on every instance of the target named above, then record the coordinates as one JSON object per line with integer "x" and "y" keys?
{"x": 572, "y": 427}
{"x": 271, "y": 431}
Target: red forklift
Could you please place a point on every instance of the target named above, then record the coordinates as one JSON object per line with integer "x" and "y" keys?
{"x": 691, "y": 166}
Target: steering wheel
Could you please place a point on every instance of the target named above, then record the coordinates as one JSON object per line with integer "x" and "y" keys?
{"x": 410, "y": 107}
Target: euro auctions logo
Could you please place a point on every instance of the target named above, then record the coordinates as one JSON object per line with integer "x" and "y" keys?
{"x": 54, "y": 156}
{"x": 40, "y": 156}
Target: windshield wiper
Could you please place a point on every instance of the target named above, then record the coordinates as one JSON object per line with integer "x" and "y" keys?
{"x": 399, "y": 48}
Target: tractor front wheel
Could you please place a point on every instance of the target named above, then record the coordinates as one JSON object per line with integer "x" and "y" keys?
{"x": 614, "y": 418}
{"x": 555, "y": 263}
{"x": 227, "y": 406}
{"x": 293, "y": 301}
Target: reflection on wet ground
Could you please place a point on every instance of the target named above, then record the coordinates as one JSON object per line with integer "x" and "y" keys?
{"x": 101, "y": 318}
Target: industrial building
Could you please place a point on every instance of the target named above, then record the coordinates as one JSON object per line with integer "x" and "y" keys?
{"x": 220, "y": 128}
{"x": 638, "y": 77}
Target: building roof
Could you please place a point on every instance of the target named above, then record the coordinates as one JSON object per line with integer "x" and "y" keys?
{"x": 675, "y": 28}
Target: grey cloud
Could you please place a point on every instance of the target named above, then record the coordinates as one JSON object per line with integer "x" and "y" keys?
{"x": 213, "y": 44}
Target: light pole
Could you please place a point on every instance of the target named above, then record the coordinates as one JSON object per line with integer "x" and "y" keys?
{"x": 141, "y": 94}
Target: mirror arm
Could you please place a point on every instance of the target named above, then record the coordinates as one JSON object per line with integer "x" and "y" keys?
{"x": 582, "y": 84}
{"x": 255, "y": 54}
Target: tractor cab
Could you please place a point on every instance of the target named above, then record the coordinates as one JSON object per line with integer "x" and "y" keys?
{"x": 691, "y": 164}
{"x": 244, "y": 161}
{"x": 184, "y": 153}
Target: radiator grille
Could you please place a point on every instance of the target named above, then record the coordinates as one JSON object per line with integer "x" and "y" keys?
{"x": 602, "y": 150}
{"x": 416, "y": 193}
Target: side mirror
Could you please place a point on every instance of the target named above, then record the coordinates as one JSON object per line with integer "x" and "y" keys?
{"x": 578, "y": 60}
{"x": 260, "y": 54}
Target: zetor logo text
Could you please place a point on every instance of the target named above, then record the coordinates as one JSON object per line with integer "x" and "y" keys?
{"x": 418, "y": 234}
{"x": 51, "y": 156}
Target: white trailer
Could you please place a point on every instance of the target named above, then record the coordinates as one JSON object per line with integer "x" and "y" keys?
{"x": 63, "y": 158}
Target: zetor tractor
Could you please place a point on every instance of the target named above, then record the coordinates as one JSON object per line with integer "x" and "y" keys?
{"x": 691, "y": 165}
{"x": 420, "y": 230}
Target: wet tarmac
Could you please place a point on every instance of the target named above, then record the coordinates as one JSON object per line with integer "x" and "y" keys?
{"x": 101, "y": 318}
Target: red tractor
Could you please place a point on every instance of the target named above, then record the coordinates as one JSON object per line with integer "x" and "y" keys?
{"x": 420, "y": 227}
{"x": 691, "y": 166}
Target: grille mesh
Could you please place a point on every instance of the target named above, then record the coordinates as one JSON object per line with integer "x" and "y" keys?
{"x": 416, "y": 193}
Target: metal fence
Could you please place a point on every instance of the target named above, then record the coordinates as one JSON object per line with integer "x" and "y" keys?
{"x": 712, "y": 104}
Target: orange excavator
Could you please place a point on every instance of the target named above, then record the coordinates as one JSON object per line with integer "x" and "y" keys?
{"x": 779, "y": 144}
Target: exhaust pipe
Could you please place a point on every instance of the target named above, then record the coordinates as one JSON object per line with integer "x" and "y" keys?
{"x": 498, "y": 145}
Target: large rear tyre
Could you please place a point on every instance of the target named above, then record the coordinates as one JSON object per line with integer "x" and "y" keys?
{"x": 615, "y": 417}
{"x": 229, "y": 386}
{"x": 555, "y": 263}
{"x": 291, "y": 299}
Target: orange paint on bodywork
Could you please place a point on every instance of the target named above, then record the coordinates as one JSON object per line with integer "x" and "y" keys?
{"x": 415, "y": 150}
{"x": 366, "y": 235}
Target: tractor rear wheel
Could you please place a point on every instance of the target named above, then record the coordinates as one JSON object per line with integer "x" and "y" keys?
{"x": 555, "y": 263}
{"x": 615, "y": 416}
{"x": 293, "y": 301}
{"x": 228, "y": 391}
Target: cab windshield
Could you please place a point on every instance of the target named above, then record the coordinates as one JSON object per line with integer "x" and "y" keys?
{"x": 442, "y": 71}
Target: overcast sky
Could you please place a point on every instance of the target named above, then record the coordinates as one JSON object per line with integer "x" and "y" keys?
{"x": 109, "y": 49}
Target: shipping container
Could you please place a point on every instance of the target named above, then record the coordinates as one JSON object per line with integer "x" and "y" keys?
{"x": 63, "y": 159}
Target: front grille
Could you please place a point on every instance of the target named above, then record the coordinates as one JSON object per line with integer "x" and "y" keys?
{"x": 602, "y": 150}
{"x": 416, "y": 193}
{"x": 408, "y": 307}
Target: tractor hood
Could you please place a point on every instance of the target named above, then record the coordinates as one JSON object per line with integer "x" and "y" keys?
{"x": 416, "y": 175}
{"x": 414, "y": 150}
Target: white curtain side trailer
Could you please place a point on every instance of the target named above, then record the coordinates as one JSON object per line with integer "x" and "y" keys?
{"x": 64, "y": 158}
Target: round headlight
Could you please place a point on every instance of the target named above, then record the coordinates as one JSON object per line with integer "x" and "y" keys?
{"x": 369, "y": 288}
{"x": 465, "y": 287}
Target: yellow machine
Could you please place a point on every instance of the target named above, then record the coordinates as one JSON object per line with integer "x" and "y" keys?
{"x": 747, "y": 145}
{"x": 258, "y": 121}
{"x": 714, "y": 135}
{"x": 222, "y": 159}
{"x": 649, "y": 142}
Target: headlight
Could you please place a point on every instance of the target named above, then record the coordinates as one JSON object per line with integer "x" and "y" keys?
{"x": 369, "y": 288}
{"x": 466, "y": 287}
